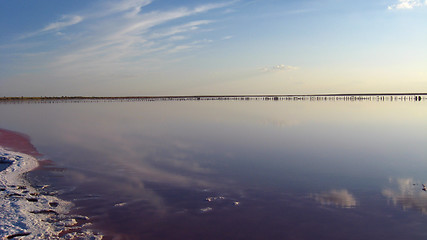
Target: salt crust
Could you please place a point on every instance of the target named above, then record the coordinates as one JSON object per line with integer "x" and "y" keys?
{"x": 29, "y": 213}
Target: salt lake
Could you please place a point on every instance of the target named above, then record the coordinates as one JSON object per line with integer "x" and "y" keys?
{"x": 247, "y": 169}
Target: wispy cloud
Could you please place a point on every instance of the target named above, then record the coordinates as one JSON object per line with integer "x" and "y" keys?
{"x": 207, "y": 7}
{"x": 131, "y": 7}
{"x": 134, "y": 6}
{"x": 407, "y": 4}
{"x": 118, "y": 34}
{"x": 191, "y": 26}
{"x": 177, "y": 38}
{"x": 64, "y": 22}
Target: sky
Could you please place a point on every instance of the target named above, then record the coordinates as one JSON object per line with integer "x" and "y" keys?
{"x": 165, "y": 47}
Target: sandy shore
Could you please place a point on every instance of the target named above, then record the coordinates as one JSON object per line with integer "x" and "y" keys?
{"x": 29, "y": 212}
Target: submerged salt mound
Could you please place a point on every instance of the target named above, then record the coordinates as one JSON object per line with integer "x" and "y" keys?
{"x": 28, "y": 214}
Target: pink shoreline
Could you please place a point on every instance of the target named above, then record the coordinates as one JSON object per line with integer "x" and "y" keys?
{"x": 17, "y": 142}
{"x": 27, "y": 212}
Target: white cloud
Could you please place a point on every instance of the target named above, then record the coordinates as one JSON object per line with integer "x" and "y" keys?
{"x": 407, "y": 4}
{"x": 284, "y": 67}
{"x": 64, "y": 22}
{"x": 280, "y": 67}
{"x": 341, "y": 198}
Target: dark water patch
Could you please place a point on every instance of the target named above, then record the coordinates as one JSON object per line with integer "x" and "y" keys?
{"x": 3, "y": 166}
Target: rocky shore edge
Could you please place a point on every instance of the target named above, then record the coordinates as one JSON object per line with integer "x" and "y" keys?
{"x": 32, "y": 212}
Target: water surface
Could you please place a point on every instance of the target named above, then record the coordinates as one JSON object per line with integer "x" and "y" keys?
{"x": 235, "y": 169}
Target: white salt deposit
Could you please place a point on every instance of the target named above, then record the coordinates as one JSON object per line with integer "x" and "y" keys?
{"x": 26, "y": 213}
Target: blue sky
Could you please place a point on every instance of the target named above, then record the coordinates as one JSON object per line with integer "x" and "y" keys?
{"x": 160, "y": 47}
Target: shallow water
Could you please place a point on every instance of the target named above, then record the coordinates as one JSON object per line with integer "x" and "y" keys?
{"x": 235, "y": 169}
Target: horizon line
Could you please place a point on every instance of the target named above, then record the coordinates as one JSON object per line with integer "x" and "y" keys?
{"x": 213, "y": 96}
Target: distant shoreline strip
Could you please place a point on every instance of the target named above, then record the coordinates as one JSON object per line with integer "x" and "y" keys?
{"x": 340, "y": 96}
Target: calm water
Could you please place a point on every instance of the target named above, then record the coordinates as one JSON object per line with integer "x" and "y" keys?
{"x": 236, "y": 169}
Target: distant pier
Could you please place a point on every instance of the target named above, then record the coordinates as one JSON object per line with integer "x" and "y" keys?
{"x": 415, "y": 97}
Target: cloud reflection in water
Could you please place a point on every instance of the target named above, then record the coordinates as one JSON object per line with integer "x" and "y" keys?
{"x": 408, "y": 194}
{"x": 340, "y": 198}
